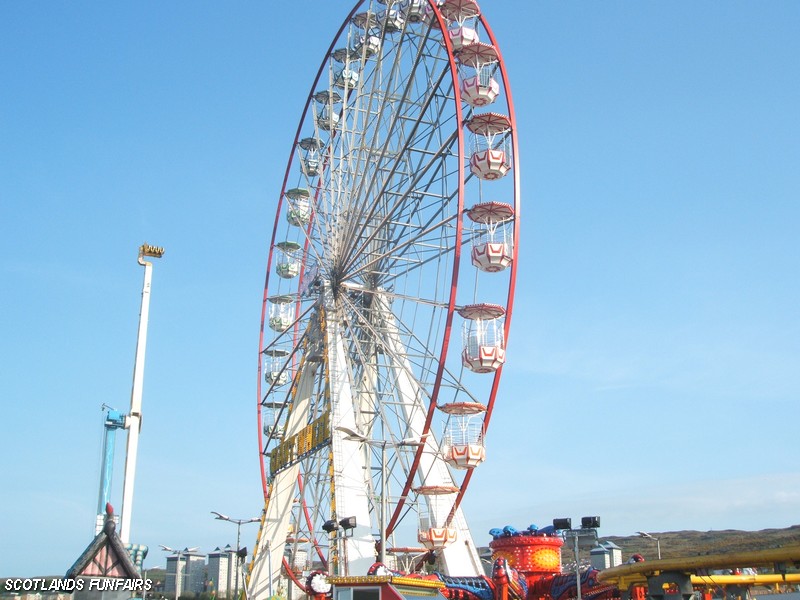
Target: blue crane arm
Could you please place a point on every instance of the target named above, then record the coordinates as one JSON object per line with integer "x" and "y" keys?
{"x": 114, "y": 420}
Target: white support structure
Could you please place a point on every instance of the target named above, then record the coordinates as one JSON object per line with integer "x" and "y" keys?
{"x": 356, "y": 548}
{"x": 266, "y": 569}
{"x": 460, "y": 558}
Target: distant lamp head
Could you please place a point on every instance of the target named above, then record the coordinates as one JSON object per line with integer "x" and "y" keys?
{"x": 560, "y": 524}
{"x": 590, "y": 522}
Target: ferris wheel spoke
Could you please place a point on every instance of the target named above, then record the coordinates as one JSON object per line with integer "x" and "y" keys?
{"x": 364, "y": 325}
{"x": 391, "y": 295}
{"x": 312, "y": 250}
{"x": 411, "y": 358}
{"x": 428, "y": 466}
{"x": 418, "y": 238}
{"x": 309, "y": 519}
{"x": 426, "y": 174}
{"x": 394, "y": 102}
{"x": 358, "y": 242}
{"x": 379, "y": 187}
{"x": 421, "y": 245}
{"x": 449, "y": 379}
{"x": 276, "y": 374}
{"x": 289, "y": 332}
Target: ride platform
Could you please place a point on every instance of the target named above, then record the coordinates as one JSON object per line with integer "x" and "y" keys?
{"x": 386, "y": 587}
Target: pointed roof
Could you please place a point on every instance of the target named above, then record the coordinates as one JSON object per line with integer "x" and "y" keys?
{"x": 106, "y": 555}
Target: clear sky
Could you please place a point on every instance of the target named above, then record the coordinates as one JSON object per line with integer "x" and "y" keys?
{"x": 653, "y": 370}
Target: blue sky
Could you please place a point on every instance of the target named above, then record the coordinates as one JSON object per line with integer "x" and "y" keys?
{"x": 652, "y": 373}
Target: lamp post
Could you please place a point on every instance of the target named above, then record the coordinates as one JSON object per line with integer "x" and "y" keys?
{"x": 269, "y": 562}
{"x": 586, "y": 533}
{"x": 133, "y": 421}
{"x": 178, "y": 554}
{"x": 577, "y": 564}
{"x": 644, "y": 534}
{"x": 354, "y": 436}
{"x": 239, "y": 523}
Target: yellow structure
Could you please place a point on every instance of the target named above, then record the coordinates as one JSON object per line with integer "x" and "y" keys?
{"x": 643, "y": 573}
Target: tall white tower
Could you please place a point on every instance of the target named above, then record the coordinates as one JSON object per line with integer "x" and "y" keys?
{"x": 133, "y": 421}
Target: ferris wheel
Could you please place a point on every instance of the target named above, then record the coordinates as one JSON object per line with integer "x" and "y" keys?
{"x": 397, "y": 225}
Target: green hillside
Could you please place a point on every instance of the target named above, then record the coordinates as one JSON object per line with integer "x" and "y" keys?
{"x": 677, "y": 544}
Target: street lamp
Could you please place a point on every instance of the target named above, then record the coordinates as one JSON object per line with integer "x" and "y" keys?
{"x": 357, "y": 437}
{"x": 239, "y": 523}
{"x": 179, "y": 555}
{"x": 644, "y": 534}
{"x": 586, "y": 533}
{"x": 144, "y": 591}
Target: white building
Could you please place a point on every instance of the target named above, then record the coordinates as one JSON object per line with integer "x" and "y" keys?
{"x": 189, "y": 574}
{"x": 605, "y": 555}
{"x": 222, "y": 572}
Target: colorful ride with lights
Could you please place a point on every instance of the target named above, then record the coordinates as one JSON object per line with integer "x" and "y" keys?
{"x": 526, "y": 566}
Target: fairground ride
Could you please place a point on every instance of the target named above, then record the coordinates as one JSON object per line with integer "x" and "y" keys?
{"x": 397, "y": 225}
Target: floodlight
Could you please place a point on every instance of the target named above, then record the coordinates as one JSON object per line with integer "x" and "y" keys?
{"x": 562, "y": 523}
{"x": 590, "y": 522}
{"x": 330, "y": 526}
